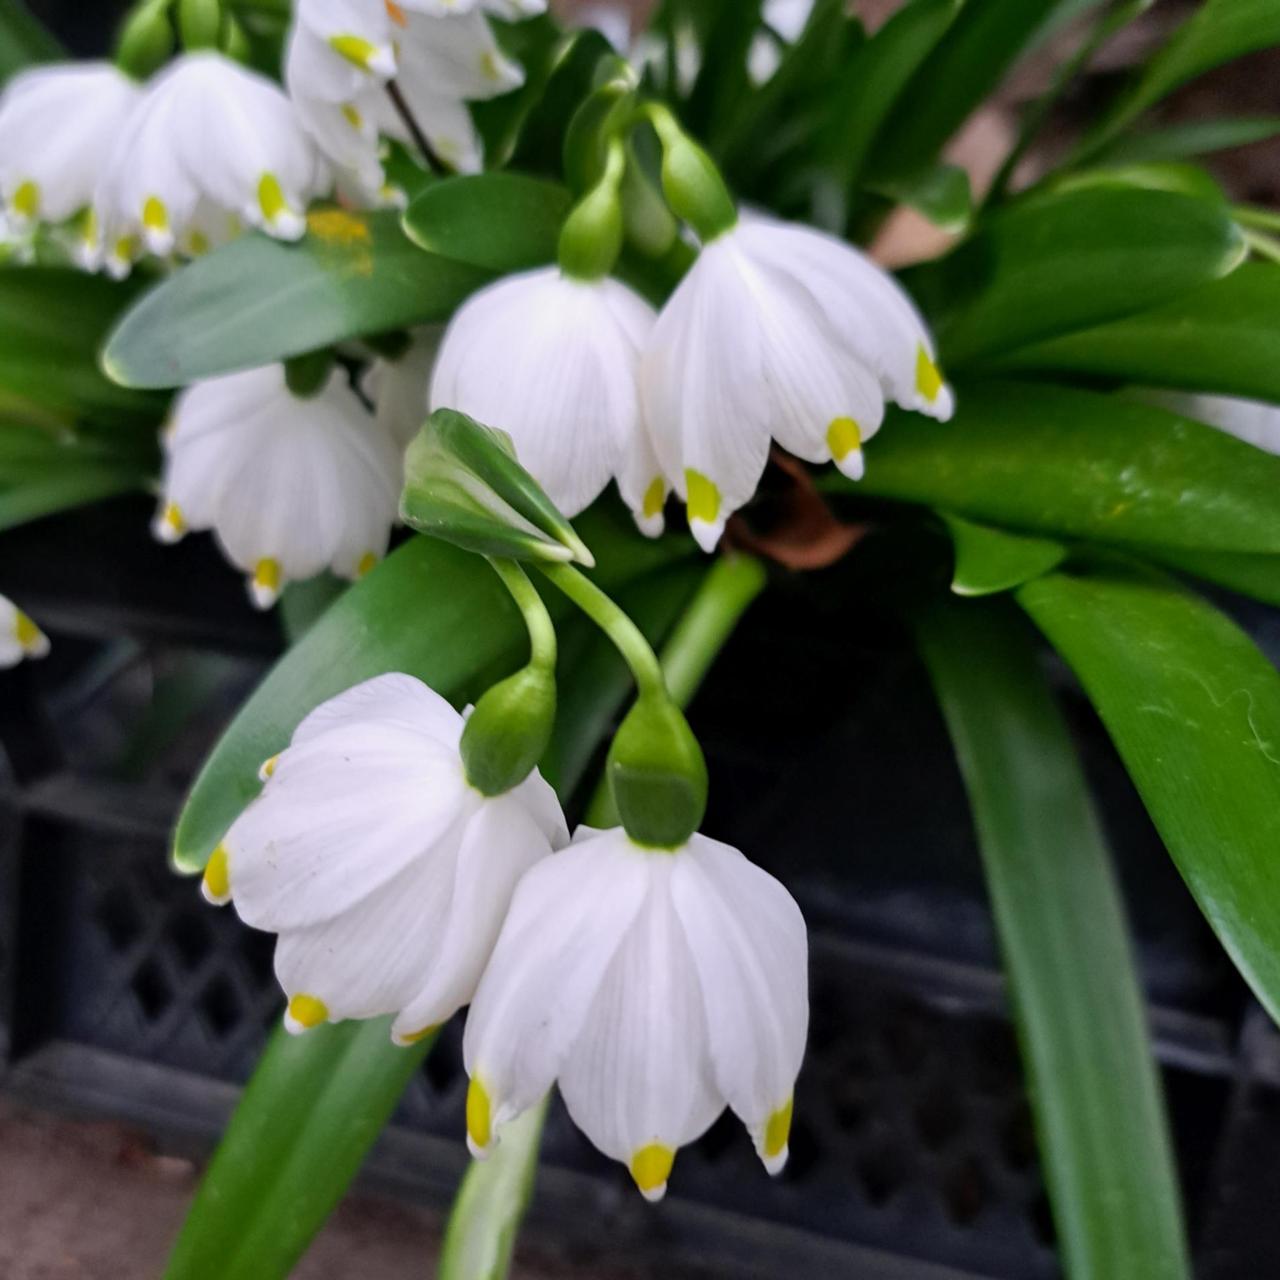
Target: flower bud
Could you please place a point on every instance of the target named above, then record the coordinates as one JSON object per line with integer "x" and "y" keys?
{"x": 146, "y": 40}
{"x": 657, "y": 774}
{"x": 690, "y": 180}
{"x": 463, "y": 484}
{"x": 200, "y": 23}
{"x": 508, "y": 732}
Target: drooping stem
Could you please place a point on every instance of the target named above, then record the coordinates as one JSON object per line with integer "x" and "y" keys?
{"x": 542, "y": 632}
{"x": 1260, "y": 219}
{"x": 624, "y": 633}
{"x": 693, "y": 646}
{"x": 403, "y": 110}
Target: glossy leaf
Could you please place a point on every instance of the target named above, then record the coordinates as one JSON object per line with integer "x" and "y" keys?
{"x": 1053, "y": 264}
{"x": 1217, "y": 32}
{"x": 428, "y": 609}
{"x": 1095, "y": 1093}
{"x": 1221, "y": 337}
{"x": 308, "y": 1117}
{"x": 1193, "y": 138}
{"x": 990, "y": 560}
{"x": 23, "y": 40}
{"x": 1257, "y": 576}
{"x": 1194, "y": 710}
{"x": 497, "y": 221}
{"x": 1079, "y": 464}
{"x": 257, "y": 300}
{"x": 940, "y": 193}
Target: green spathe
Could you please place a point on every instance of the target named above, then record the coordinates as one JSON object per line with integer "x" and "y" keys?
{"x": 657, "y": 774}
{"x": 508, "y": 732}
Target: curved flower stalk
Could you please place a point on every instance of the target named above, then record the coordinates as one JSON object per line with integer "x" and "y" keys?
{"x": 778, "y": 332}
{"x": 210, "y": 146}
{"x": 57, "y": 124}
{"x": 657, "y": 986}
{"x": 343, "y": 53}
{"x": 19, "y": 636}
{"x": 385, "y": 873}
{"x": 290, "y": 485}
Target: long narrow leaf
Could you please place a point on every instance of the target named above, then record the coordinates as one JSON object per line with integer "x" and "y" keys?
{"x": 1100, "y": 1119}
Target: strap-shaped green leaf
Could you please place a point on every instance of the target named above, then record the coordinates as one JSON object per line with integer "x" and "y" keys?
{"x": 1095, "y": 1094}
{"x": 23, "y": 40}
{"x": 1194, "y": 138}
{"x": 257, "y": 300}
{"x": 1194, "y": 710}
{"x": 1068, "y": 463}
{"x": 1053, "y": 264}
{"x": 1221, "y": 337}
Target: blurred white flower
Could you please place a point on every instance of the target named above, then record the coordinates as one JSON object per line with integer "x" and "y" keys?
{"x": 785, "y": 20}
{"x": 210, "y": 142}
{"x": 554, "y": 362}
{"x": 343, "y": 53}
{"x": 290, "y": 485}
{"x": 384, "y": 872}
{"x": 399, "y": 388}
{"x": 57, "y": 124}
{"x": 781, "y": 332}
{"x": 656, "y": 986}
{"x": 1253, "y": 421}
{"x": 19, "y": 636}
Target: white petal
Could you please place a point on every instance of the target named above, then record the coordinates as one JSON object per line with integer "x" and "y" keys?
{"x": 456, "y": 57}
{"x": 444, "y": 120}
{"x": 750, "y": 949}
{"x": 1252, "y": 421}
{"x": 19, "y": 636}
{"x": 394, "y": 701}
{"x": 637, "y": 1081}
{"x": 566, "y": 922}
{"x": 399, "y": 387}
{"x": 500, "y": 843}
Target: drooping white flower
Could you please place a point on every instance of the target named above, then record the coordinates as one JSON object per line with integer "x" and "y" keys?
{"x": 554, "y": 362}
{"x": 19, "y": 636}
{"x": 399, "y": 388}
{"x": 384, "y": 872}
{"x": 781, "y": 332}
{"x": 656, "y": 987}
{"x": 208, "y": 137}
{"x": 1253, "y": 421}
{"x": 57, "y": 124}
{"x": 290, "y": 485}
{"x": 343, "y": 53}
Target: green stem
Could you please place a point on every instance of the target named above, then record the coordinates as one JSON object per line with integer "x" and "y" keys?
{"x": 1265, "y": 246}
{"x": 1261, "y": 219}
{"x": 542, "y": 632}
{"x": 705, "y": 626}
{"x": 624, "y": 633}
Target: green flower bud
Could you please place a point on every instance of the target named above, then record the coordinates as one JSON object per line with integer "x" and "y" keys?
{"x": 690, "y": 180}
{"x": 200, "y": 23}
{"x": 146, "y": 40}
{"x": 508, "y": 732}
{"x": 657, "y": 774}
{"x": 600, "y": 118}
{"x": 464, "y": 485}
{"x": 306, "y": 375}
{"x": 592, "y": 236}
{"x": 650, "y": 225}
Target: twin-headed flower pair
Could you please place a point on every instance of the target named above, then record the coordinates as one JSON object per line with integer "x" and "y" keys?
{"x": 655, "y": 985}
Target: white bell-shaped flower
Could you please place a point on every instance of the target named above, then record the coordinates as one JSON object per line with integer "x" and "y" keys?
{"x": 384, "y": 872}
{"x": 208, "y": 135}
{"x": 57, "y": 124}
{"x": 778, "y": 332}
{"x": 399, "y": 388}
{"x": 554, "y": 362}
{"x": 290, "y": 485}
{"x": 1253, "y": 421}
{"x": 19, "y": 636}
{"x": 657, "y": 987}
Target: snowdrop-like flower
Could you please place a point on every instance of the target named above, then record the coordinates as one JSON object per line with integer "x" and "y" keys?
{"x": 1253, "y": 421}
{"x": 657, "y": 987}
{"x": 290, "y": 485}
{"x": 342, "y": 53}
{"x": 554, "y": 361}
{"x": 19, "y": 636}
{"x": 209, "y": 138}
{"x": 784, "y": 332}
{"x": 398, "y": 388}
{"x": 57, "y": 124}
{"x": 384, "y": 872}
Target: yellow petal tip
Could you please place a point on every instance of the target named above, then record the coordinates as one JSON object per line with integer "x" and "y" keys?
{"x": 305, "y": 1012}
{"x": 651, "y": 1168}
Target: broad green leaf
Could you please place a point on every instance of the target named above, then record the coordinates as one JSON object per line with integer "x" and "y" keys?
{"x": 23, "y": 40}
{"x": 1056, "y": 263}
{"x": 1100, "y": 1119}
{"x": 73, "y": 487}
{"x": 1221, "y": 337}
{"x": 257, "y": 300}
{"x": 52, "y": 324}
{"x": 428, "y": 609}
{"x": 723, "y": 83}
{"x": 940, "y": 193}
{"x": 990, "y": 560}
{"x": 1179, "y": 176}
{"x": 1194, "y": 138}
{"x": 309, "y": 1115}
{"x": 1216, "y": 32}
{"x": 1250, "y": 575}
{"x": 1078, "y": 464}
{"x": 982, "y": 43}
{"x": 1194, "y": 710}
{"x": 497, "y": 221}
